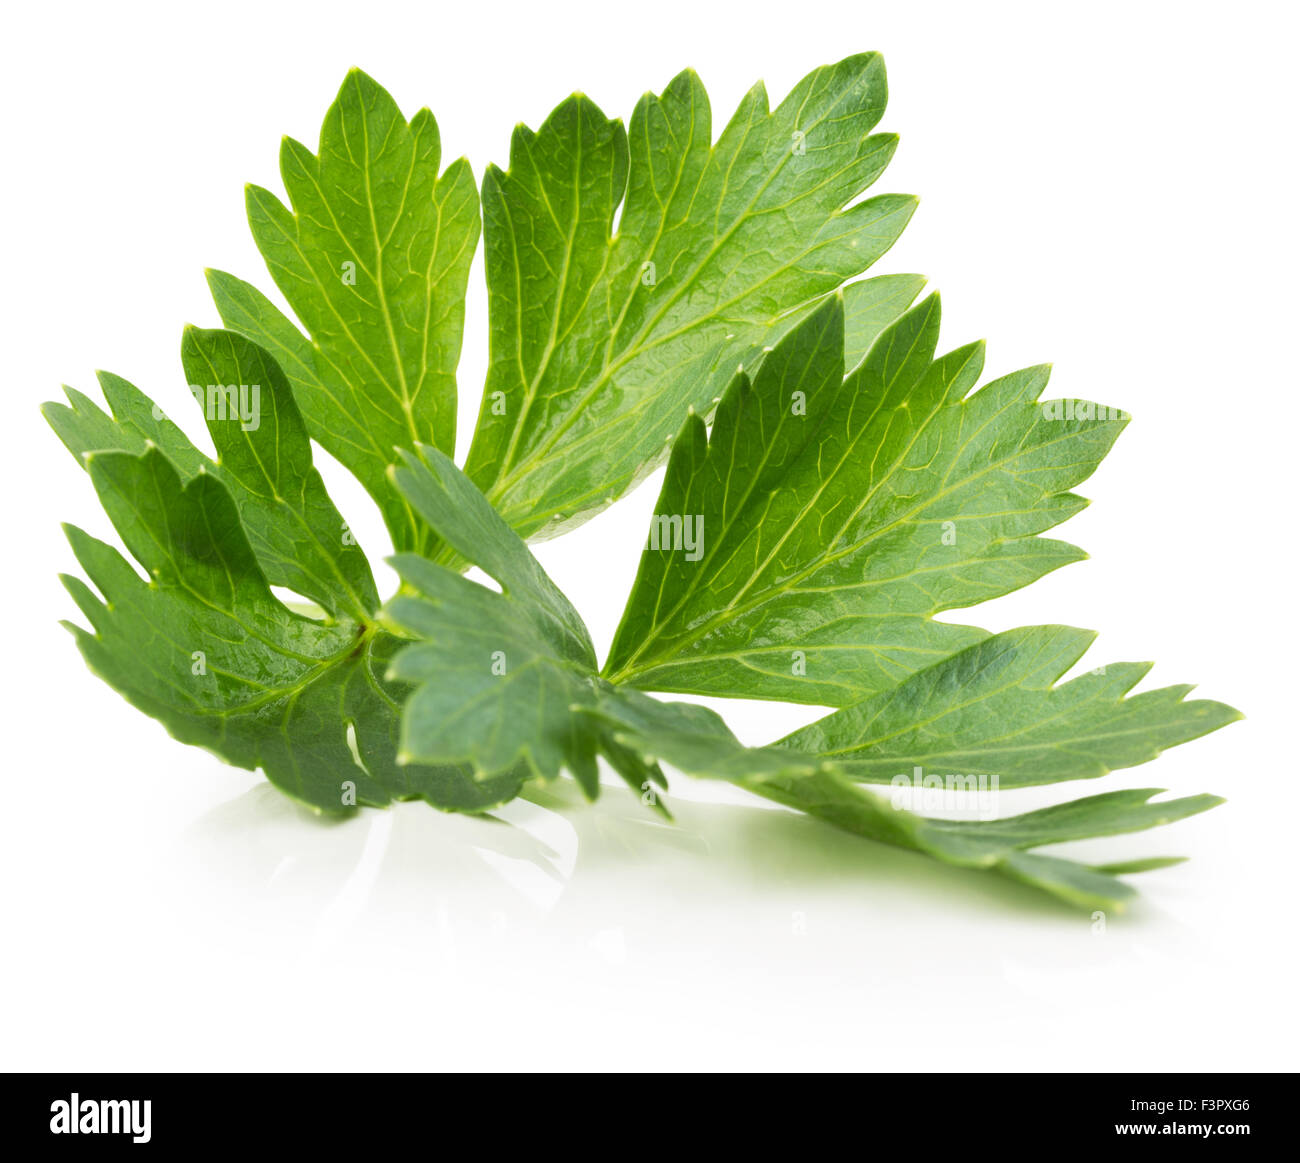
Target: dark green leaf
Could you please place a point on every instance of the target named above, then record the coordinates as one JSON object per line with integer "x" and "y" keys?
{"x": 499, "y": 675}
{"x": 263, "y": 458}
{"x": 204, "y": 647}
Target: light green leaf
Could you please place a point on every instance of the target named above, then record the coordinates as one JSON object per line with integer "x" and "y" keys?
{"x": 1128, "y": 867}
{"x": 870, "y": 306}
{"x": 601, "y": 339}
{"x": 373, "y": 258}
{"x": 836, "y": 516}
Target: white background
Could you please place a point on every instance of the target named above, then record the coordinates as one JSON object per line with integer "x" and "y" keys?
{"x": 1109, "y": 186}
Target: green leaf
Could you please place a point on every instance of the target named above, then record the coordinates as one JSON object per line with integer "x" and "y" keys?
{"x": 373, "y": 258}
{"x": 601, "y": 339}
{"x": 263, "y": 458}
{"x": 499, "y": 674}
{"x": 695, "y": 740}
{"x": 992, "y": 710}
{"x": 204, "y": 647}
{"x": 639, "y": 283}
{"x": 837, "y": 515}
{"x": 870, "y": 306}
{"x": 1150, "y": 864}
{"x": 508, "y": 677}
